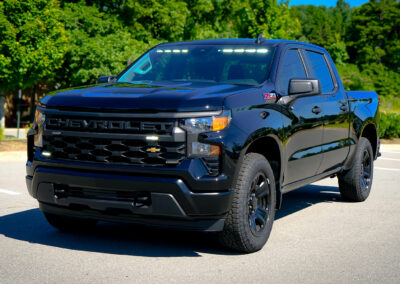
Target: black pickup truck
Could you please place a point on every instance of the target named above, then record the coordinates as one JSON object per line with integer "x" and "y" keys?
{"x": 203, "y": 135}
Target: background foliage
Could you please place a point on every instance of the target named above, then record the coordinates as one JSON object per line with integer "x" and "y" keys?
{"x": 49, "y": 44}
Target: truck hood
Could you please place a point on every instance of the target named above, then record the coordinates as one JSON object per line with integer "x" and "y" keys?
{"x": 154, "y": 97}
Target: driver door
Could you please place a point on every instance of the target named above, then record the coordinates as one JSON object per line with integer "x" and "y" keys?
{"x": 303, "y": 125}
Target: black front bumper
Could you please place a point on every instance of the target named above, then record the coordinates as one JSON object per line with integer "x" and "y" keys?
{"x": 172, "y": 204}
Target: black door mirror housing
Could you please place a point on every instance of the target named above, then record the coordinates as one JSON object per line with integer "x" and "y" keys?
{"x": 105, "y": 79}
{"x": 304, "y": 87}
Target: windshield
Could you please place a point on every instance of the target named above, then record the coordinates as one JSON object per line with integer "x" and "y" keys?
{"x": 247, "y": 65}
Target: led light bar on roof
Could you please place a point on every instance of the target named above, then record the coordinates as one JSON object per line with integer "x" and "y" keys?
{"x": 172, "y": 51}
{"x": 241, "y": 50}
{"x": 225, "y": 50}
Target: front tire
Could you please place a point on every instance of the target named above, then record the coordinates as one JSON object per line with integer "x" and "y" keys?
{"x": 355, "y": 184}
{"x": 249, "y": 222}
{"x": 69, "y": 224}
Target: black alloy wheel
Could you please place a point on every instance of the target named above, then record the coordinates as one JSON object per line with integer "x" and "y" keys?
{"x": 366, "y": 170}
{"x": 355, "y": 184}
{"x": 249, "y": 222}
{"x": 258, "y": 201}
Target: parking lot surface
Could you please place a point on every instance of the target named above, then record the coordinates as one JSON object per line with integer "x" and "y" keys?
{"x": 317, "y": 237}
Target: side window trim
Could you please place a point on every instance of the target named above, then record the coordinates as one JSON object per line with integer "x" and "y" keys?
{"x": 328, "y": 64}
{"x": 303, "y": 60}
{"x": 281, "y": 60}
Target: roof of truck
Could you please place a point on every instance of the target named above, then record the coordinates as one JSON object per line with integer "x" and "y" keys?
{"x": 242, "y": 41}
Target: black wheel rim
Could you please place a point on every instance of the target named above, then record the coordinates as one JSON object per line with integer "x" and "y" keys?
{"x": 258, "y": 203}
{"x": 366, "y": 170}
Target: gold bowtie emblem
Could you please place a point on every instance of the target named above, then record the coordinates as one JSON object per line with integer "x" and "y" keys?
{"x": 153, "y": 150}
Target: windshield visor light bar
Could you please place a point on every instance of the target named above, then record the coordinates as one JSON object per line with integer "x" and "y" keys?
{"x": 225, "y": 50}
{"x": 176, "y": 51}
{"x": 242, "y": 50}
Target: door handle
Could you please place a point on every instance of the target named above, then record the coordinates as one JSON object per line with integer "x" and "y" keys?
{"x": 316, "y": 110}
{"x": 343, "y": 108}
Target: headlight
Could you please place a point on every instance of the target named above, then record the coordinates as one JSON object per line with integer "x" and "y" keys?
{"x": 194, "y": 126}
{"x": 206, "y": 124}
{"x": 39, "y": 119}
{"x": 38, "y": 127}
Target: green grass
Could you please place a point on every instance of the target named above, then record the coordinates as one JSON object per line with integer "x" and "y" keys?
{"x": 389, "y": 125}
{"x": 12, "y": 139}
{"x": 390, "y": 105}
{"x": 1, "y": 133}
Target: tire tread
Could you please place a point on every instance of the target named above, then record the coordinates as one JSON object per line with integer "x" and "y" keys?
{"x": 234, "y": 235}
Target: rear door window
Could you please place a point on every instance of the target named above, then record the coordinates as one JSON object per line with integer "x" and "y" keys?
{"x": 320, "y": 70}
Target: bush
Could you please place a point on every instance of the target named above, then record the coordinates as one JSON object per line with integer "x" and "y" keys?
{"x": 390, "y": 104}
{"x": 353, "y": 79}
{"x": 27, "y": 127}
{"x": 1, "y": 133}
{"x": 389, "y": 126}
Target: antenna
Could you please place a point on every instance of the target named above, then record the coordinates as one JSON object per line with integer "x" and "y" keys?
{"x": 260, "y": 39}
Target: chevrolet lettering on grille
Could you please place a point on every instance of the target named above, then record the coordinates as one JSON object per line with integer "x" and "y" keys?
{"x": 61, "y": 123}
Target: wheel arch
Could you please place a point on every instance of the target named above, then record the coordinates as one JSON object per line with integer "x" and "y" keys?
{"x": 370, "y": 132}
{"x": 271, "y": 148}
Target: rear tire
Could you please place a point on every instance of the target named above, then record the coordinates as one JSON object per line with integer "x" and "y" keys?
{"x": 69, "y": 224}
{"x": 249, "y": 222}
{"x": 355, "y": 184}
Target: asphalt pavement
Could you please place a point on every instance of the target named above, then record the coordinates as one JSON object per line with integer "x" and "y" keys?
{"x": 317, "y": 237}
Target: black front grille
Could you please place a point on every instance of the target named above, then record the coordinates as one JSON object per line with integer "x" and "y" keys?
{"x": 113, "y": 150}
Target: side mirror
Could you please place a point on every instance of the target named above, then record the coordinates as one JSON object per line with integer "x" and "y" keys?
{"x": 304, "y": 87}
{"x": 105, "y": 79}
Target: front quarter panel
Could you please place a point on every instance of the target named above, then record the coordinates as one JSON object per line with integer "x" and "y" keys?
{"x": 252, "y": 118}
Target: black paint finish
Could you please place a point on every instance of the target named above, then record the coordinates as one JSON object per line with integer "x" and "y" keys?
{"x": 313, "y": 136}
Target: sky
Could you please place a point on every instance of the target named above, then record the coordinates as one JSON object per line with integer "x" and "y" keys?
{"x": 327, "y": 3}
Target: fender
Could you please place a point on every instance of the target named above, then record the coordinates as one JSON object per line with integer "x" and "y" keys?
{"x": 355, "y": 135}
{"x": 362, "y": 113}
{"x": 252, "y": 140}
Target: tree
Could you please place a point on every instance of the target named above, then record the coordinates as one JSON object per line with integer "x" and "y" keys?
{"x": 252, "y": 17}
{"x": 155, "y": 19}
{"x": 99, "y": 45}
{"x": 340, "y": 17}
{"x": 316, "y": 24}
{"x": 205, "y": 20}
{"x": 375, "y": 34}
{"x": 33, "y": 42}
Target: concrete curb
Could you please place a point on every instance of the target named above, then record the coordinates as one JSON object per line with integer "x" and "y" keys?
{"x": 390, "y": 147}
{"x": 12, "y": 156}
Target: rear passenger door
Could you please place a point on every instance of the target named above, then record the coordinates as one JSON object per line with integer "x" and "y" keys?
{"x": 334, "y": 111}
{"x": 302, "y": 123}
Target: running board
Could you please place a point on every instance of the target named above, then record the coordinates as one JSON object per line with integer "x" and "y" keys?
{"x": 303, "y": 182}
